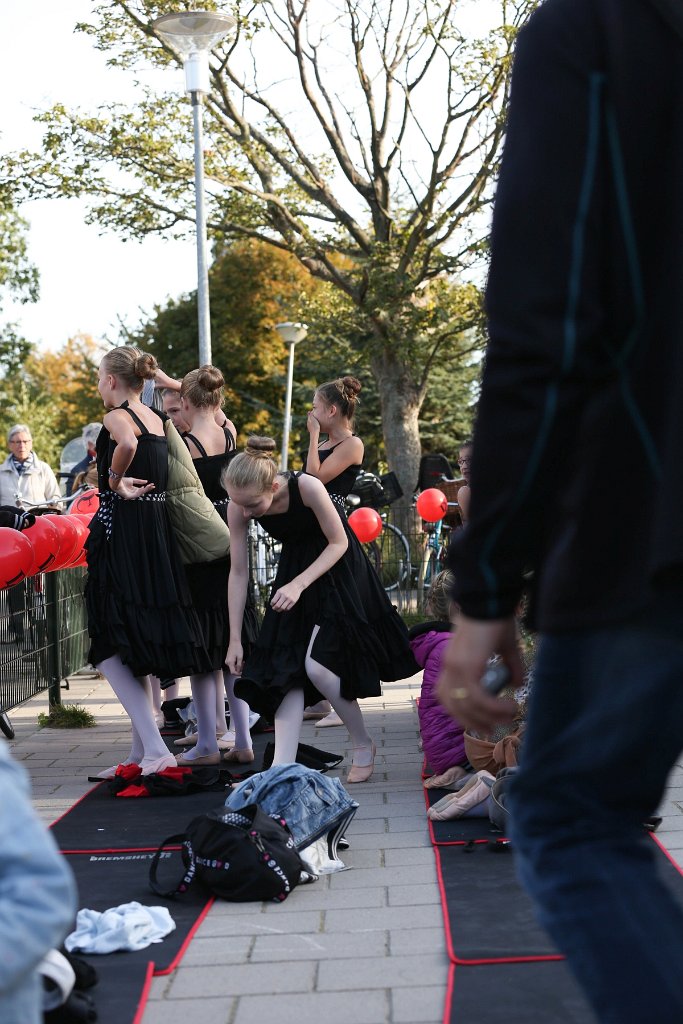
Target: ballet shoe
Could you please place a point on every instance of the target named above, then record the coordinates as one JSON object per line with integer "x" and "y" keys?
{"x": 236, "y": 756}
{"x": 159, "y": 764}
{"x": 446, "y": 779}
{"x": 203, "y": 759}
{"x": 329, "y": 720}
{"x": 107, "y": 773}
{"x": 191, "y": 741}
{"x": 361, "y": 773}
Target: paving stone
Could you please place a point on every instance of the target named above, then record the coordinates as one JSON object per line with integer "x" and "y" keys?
{"x": 319, "y": 947}
{"x": 385, "y": 919}
{"x": 182, "y": 1011}
{"x": 417, "y": 940}
{"x": 351, "y": 1007}
{"x": 276, "y": 978}
{"x": 420, "y": 1005}
{"x": 368, "y": 878}
{"x": 388, "y": 972}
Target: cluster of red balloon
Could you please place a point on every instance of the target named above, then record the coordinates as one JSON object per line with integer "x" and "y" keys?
{"x": 53, "y": 542}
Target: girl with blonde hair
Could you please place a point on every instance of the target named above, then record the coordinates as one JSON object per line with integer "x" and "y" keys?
{"x": 325, "y": 634}
{"x": 140, "y": 614}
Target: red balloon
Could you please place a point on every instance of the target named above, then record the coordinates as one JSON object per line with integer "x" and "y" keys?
{"x": 86, "y": 503}
{"x": 45, "y": 542}
{"x": 432, "y": 504}
{"x": 366, "y": 523}
{"x": 69, "y": 539}
{"x": 79, "y": 521}
{"x": 16, "y": 557}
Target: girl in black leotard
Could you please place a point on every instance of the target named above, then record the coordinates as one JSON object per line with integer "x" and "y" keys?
{"x": 329, "y": 629}
{"x": 335, "y": 462}
{"x": 140, "y": 615}
{"x": 212, "y": 447}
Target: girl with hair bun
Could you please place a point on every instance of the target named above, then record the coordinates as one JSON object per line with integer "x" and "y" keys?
{"x": 140, "y": 615}
{"x": 329, "y": 630}
{"x": 211, "y": 448}
{"x": 336, "y": 462}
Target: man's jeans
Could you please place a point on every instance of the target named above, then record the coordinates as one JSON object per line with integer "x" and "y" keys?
{"x": 605, "y": 727}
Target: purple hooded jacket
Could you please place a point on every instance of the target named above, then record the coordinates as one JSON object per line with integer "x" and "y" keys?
{"x": 442, "y": 736}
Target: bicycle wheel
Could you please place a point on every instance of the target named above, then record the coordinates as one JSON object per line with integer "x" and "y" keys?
{"x": 390, "y": 557}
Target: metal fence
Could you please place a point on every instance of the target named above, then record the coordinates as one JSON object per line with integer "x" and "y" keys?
{"x": 43, "y": 635}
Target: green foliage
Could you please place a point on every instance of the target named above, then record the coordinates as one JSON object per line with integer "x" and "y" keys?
{"x": 54, "y": 393}
{"x": 67, "y": 716}
{"x": 20, "y": 404}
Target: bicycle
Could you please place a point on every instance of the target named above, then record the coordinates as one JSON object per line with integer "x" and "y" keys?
{"x": 264, "y": 554}
{"x": 389, "y": 554}
{"x": 435, "y": 549}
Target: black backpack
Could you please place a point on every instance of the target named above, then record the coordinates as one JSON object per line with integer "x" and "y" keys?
{"x": 238, "y": 855}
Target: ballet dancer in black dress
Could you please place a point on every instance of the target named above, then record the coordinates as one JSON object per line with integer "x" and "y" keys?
{"x": 212, "y": 447}
{"x": 140, "y": 614}
{"x": 329, "y": 630}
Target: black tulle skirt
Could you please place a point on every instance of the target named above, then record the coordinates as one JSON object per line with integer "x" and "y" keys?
{"x": 138, "y": 601}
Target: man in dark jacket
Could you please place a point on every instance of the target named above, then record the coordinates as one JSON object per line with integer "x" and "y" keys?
{"x": 582, "y": 394}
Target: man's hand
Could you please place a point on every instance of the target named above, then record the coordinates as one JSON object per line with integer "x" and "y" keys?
{"x": 458, "y": 687}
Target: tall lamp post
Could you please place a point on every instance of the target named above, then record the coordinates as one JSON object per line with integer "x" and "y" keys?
{"x": 291, "y": 334}
{"x": 193, "y": 34}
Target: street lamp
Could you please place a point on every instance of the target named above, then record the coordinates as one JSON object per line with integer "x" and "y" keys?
{"x": 193, "y": 34}
{"x": 290, "y": 334}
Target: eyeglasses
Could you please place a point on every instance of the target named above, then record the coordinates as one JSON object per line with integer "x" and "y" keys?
{"x": 465, "y": 462}
{"x": 14, "y": 441}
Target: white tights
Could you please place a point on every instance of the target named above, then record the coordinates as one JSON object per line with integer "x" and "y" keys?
{"x": 136, "y": 698}
{"x": 239, "y": 713}
{"x": 159, "y": 695}
{"x": 288, "y": 716}
{"x": 207, "y": 692}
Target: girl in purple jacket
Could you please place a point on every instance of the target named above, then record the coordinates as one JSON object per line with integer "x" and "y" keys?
{"x": 442, "y": 736}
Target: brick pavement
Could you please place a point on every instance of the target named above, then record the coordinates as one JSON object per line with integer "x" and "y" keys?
{"x": 359, "y": 947}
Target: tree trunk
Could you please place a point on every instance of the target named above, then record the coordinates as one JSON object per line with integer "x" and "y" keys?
{"x": 401, "y": 400}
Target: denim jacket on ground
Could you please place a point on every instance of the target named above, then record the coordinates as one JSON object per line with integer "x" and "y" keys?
{"x": 312, "y": 804}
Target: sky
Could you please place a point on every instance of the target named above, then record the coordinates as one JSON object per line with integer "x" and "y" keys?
{"x": 87, "y": 280}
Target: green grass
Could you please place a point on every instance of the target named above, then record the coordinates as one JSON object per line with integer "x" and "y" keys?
{"x": 66, "y": 716}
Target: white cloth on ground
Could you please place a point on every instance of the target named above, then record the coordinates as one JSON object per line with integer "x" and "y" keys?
{"x": 129, "y": 926}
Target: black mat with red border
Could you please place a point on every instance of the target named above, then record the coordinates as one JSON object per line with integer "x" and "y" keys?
{"x": 109, "y": 842}
{"x": 530, "y": 993}
{"x": 502, "y": 960}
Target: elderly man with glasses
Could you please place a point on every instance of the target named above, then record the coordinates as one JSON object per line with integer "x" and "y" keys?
{"x": 25, "y": 480}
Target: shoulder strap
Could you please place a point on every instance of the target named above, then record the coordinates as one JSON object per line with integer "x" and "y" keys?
{"x": 184, "y": 884}
{"x": 198, "y": 445}
{"x": 229, "y": 440}
{"x": 135, "y": 418}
